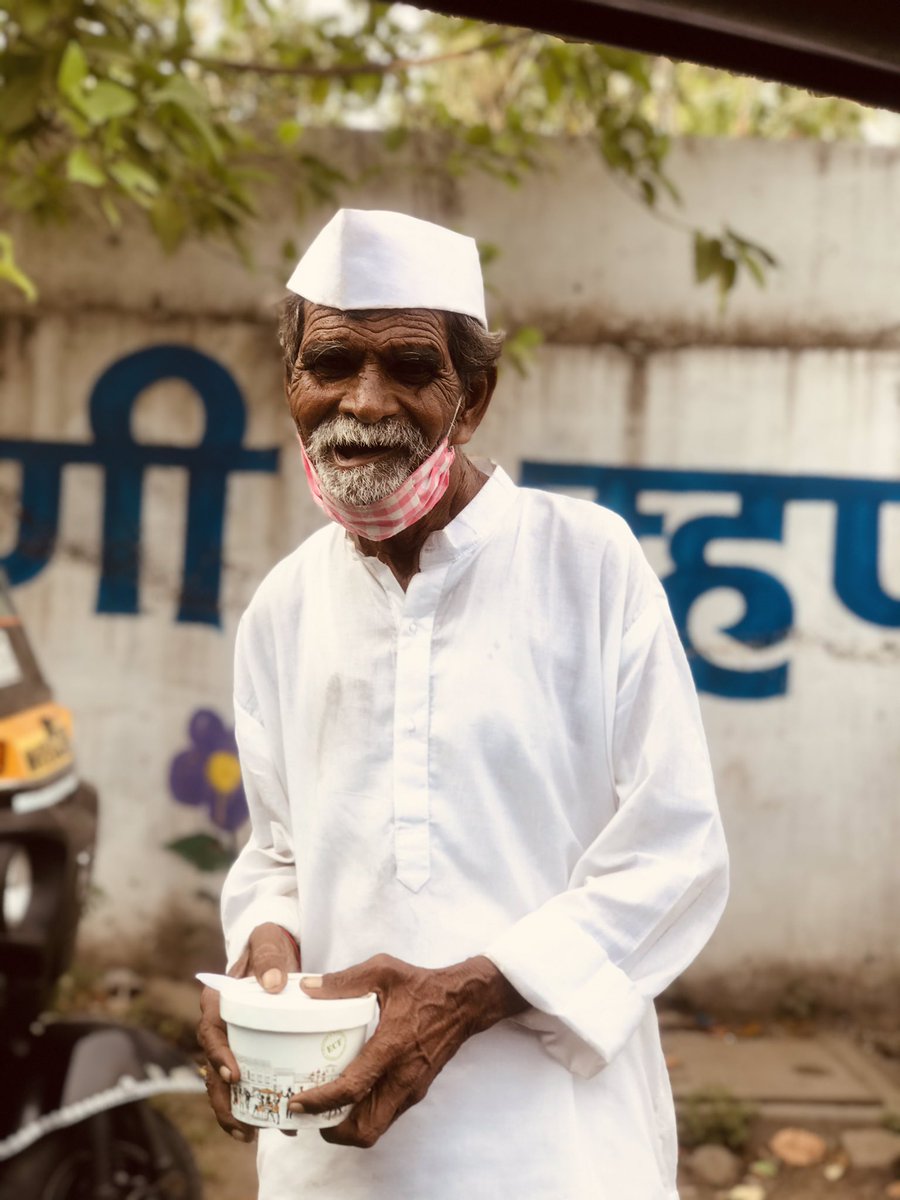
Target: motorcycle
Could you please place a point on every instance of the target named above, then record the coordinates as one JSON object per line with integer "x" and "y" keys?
{"x": 75, "y": 1122}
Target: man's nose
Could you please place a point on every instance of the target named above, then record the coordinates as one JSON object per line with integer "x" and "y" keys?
{"x": 369, "y": 396}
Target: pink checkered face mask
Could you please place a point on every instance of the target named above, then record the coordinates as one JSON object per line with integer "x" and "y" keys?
{"x": 413, "y": 499}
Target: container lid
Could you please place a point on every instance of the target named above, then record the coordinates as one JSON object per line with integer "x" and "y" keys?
{"x": 243, "y": 1002}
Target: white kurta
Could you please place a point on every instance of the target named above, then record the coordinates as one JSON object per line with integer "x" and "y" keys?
{"x": 507, "y": 760}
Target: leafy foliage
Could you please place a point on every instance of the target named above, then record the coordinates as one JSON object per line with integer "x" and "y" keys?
{"x": 720, "y": 259}
{"x": 10, "y": 273}
{"x": 715, "y": 1115}
{"x": 169, "y": 107}
{"x": 203, "y": 851}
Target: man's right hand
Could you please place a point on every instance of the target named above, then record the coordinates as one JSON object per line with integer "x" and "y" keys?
{"x": 270, "y": 954}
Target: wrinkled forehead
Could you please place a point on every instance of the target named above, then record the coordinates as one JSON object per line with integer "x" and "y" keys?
{"x": 382, "y": 326}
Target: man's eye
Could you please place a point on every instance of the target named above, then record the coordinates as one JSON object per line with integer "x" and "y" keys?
{"x": 413, "y": 371}
{"x": 330, "y": 366}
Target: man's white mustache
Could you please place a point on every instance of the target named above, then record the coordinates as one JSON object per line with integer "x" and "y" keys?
{"x": 390, "y": 433}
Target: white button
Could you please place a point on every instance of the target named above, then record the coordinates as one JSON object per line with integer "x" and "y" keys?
{"x": 412, "y": 627}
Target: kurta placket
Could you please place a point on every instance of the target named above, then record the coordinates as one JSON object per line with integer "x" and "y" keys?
{"x": 412, "y": 712}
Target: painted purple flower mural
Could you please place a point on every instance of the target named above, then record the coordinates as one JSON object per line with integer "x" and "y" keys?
{"x": 208, "y": 775}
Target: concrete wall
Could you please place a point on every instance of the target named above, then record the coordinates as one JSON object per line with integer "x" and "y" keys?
{"x": 755, "y": 452}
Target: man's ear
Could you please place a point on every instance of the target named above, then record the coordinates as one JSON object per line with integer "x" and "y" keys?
{"x": 475, "y": 405}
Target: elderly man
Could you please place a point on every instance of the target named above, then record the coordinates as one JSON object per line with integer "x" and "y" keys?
{"x": 476, "y": 773}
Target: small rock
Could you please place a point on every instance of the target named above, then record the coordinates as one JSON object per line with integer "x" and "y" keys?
{"x": 872, "y": 1149}
{"x": 715, "y": 1165}
{"x": 798, "y": 1147}
{"x": 747, "y": 1191}
{"x": 834, "y": 1171}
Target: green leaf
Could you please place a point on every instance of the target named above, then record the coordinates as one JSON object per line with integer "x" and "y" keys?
{"x": 727, "y": 274}
{"x": 133, "y": 179}
{"x": 107, "y": 101}
{"x": 150, "y": 136}
{"x": 707, "y": 253}
{"x": 111, "y": 212}
{"x": 202, "y": 851}
{"x": 395, "y": 138}
{"x": 169, "y": 222}
{"x": 648, "y": 193}
{"x": 74, "y": 121}
{"x": 207, "y": 133}
{"x": 33, "y": 16}
{"x": 318, "y": 90}
{"x": 81, "y": 168}
{"x": 19, "y": 101}
{"x": 521, "y": 347}
{"x": 553, "y": 84}
{"x": 288, "y": 132}
{"x": 180, "y": 92}
{"x": 487, "y": 252}
{"x": 764, "y": 1168}
{"x": 744, "y": 245}
{"x": 73, "y": 70}
{"x": 10, "y": 273}
{"x": 753, "y": 266}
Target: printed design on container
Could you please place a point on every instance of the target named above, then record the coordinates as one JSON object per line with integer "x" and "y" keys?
{"x": 207, "y": 775}
{"x": 334, "y": 1045}
{"x": 263, "y": 1092}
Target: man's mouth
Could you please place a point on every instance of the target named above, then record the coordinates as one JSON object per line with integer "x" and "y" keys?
{"x": 358, "y": 455}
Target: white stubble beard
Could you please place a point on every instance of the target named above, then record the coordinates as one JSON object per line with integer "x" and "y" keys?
{"x": 370, "y": 482}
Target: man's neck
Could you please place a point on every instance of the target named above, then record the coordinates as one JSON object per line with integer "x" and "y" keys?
{"x": 401, "y": 552}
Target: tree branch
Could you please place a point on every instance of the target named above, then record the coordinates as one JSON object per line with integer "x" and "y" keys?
{"x": 349, "y": 70}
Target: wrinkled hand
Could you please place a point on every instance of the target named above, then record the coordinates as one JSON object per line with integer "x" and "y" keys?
{"x": 426, "y": 1015}
{"x": 270, "y": 954}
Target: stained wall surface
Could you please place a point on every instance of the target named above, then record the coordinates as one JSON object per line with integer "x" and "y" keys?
{"x": 755, "y": 452}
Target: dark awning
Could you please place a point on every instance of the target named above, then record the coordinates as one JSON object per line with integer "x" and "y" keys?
{"x": 831, "y": 46}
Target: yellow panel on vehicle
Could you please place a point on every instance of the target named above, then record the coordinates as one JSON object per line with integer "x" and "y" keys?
{"x": 35, "y": 744}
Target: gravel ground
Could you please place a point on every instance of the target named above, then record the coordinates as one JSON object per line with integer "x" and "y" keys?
{"x": 229, "y": 1169}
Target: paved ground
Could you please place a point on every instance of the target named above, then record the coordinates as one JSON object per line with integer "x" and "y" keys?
{"x": 829, "y": 1082}
{"x": 824, "y": 1075}
{"x": 822, "y": 1081}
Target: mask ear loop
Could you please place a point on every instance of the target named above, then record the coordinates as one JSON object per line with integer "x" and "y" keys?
{"x": 459, "y": 404}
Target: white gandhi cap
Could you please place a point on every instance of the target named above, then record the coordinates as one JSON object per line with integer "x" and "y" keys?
{"x": 373, "y": 259}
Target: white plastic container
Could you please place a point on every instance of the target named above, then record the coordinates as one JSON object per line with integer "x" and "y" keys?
{"x": 287, "y": 1043}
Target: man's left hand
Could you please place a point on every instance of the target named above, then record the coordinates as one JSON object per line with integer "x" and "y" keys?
{"x": 426, "y": 1015}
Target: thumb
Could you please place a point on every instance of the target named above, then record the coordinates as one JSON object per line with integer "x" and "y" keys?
{"x": 272, "y": 956}
{"x": 336, "y": 985}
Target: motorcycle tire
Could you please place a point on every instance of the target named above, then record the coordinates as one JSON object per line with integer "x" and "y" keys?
{"x": 60, "y": 1166}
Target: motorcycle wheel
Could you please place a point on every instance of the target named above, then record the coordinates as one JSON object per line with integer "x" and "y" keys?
{"x": 60, "y": 1166}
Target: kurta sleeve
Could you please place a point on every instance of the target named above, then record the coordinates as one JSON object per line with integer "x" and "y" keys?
{"x": 645, "y": 896}
{"x": 262, "y": 883}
